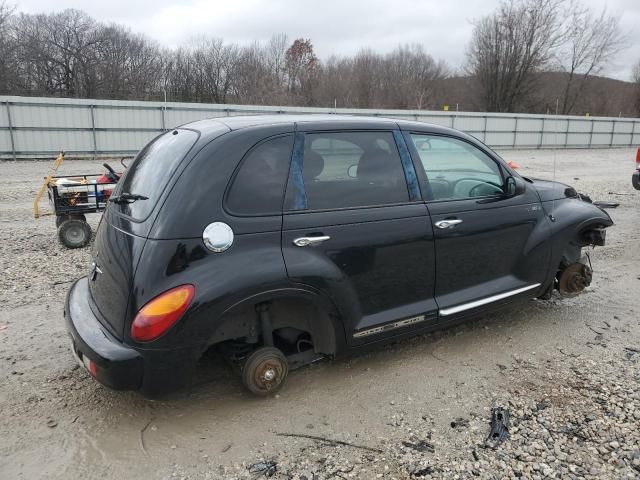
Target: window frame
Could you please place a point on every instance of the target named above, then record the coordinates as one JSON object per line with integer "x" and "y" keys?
{"x": 297, "y": 163}
{"x": 225, "y": 198}
{"x": 423, "y": 176}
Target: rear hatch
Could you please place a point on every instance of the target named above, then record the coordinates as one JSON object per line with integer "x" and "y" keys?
{"x": 126, "y": 224}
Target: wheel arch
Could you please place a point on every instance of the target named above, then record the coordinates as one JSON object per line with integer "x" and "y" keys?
{"x": 298, "y": 307}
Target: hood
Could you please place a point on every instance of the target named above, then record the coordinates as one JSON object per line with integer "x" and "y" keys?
{"x": 549, "y": 190}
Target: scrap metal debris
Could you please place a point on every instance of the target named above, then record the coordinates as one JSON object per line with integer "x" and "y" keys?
{"x": 602, "y": 204}
{"x": 268, "y": 468}
{"x": 460, "y": 423}
{"x": 421, "y": 446}
{"x": 499, "y": 427}
{"x": 329, "y": 441}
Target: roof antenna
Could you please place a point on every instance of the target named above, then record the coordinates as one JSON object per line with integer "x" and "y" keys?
{"x": 555, "y": 162}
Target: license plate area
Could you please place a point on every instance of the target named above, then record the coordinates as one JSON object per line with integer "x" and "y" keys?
{"x": 83, "y": 361}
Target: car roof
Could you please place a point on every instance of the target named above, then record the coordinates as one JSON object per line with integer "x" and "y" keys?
{"x": 314, "y": 122}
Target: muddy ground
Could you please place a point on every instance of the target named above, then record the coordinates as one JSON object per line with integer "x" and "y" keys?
{"x": 567, "y": 369}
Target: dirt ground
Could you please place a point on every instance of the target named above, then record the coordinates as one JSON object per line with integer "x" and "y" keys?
{"x": 566, "y": 368}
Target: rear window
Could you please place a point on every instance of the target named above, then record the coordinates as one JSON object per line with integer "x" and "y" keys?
{"x": 149, "y": 174}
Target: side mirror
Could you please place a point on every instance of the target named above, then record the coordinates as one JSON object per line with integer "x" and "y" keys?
{"x": 514, "y": 186}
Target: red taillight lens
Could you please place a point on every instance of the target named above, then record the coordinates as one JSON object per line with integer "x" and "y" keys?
{"x": 161, "y": 313}
{"x": 91, "y": 366}
{"x": 638, "y": 158}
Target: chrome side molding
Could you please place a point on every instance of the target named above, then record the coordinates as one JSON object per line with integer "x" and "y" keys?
{"x": 483, "y": 301}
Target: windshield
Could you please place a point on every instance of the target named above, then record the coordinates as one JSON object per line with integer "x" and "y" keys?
{"x": 151, "y": 170}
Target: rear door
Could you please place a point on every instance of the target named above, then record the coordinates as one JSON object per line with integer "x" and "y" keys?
{"x": 356, "y": 231}
{"x": 489, "y": 247}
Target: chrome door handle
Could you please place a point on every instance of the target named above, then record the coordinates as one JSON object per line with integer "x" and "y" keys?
{"x": 310, "y": 241}
{"x": 448, "y": 223}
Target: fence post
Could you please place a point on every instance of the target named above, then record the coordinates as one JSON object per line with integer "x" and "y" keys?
{"x": 541, "y": 134}
{"x": 566, "y": 133}
{"x": 633, "y": 132}
{"x": 613, "y": 130}
{"x": 13, "y": 143}
{"x": 162, "y": 119}
{"x": 591, "y": 133}
{"x": 93, "y": 132}
{"x": 515, "y": 132}
{"x": 484, "y": 131}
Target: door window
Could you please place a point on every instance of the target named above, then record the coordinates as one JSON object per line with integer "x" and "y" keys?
{"x": 456, "y": 169}
{"x": 258, "y": 187}
{"x": 352, "y": 169}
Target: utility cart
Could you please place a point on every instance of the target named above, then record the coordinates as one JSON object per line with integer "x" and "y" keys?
{"x": 73, "y": 197}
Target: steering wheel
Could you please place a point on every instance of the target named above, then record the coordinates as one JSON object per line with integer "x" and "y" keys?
{"x": 111, "y": 174}
{"x": 483, "y": 183}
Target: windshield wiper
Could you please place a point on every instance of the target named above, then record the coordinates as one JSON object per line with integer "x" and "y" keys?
{"x": 126, "y": 197}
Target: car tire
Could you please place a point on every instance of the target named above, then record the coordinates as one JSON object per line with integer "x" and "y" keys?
{"x": 264, "y": 371}
{"x": 74, "y": 233}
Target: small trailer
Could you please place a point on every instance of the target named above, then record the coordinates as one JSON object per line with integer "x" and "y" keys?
{"x": 72, "y": 198}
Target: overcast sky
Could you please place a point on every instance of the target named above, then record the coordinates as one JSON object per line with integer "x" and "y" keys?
{"x": 340, "y": 27}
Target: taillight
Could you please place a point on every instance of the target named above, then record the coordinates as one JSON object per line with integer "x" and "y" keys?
{"x": 161, "y": 313}
{"x": 91, "y": 366}
{"x": 638, "y": 158}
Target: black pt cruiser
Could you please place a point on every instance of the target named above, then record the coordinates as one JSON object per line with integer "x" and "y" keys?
{"x": 280, "y": 240}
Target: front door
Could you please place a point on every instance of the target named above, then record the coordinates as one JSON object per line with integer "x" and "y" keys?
{"x": 354, "y": 230}
{"x": 489, "y": 247}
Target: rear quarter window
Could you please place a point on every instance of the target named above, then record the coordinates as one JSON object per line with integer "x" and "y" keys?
{"x": 152, "y": 169}
{"x": 258, "y": 186}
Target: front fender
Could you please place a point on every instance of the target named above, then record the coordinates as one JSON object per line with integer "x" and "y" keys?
{"x": 570, "y": 218}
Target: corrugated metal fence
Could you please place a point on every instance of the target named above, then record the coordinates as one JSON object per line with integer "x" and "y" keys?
{"x": 41, "y": 127}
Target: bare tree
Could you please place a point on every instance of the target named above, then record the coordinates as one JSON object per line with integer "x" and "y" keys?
{"x": 7, "y": 54}
{"x": 509, "y": 46}
{"x": 590, "y": 44}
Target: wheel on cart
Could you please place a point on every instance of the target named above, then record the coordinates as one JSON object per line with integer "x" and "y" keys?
{"x": 74, "y": 233}
{"x": 62, "y": 218}
{"x": 264, "y": 371}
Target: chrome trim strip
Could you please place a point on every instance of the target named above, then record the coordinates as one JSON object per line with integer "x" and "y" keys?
{"x": 390, "y": 326}
{"x": 478, "y": 303}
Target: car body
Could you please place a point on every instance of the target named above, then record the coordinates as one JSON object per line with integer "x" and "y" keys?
{"x": 283, "y": 239}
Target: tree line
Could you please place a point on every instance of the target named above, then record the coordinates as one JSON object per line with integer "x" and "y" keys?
{"x": 527, "y": 56}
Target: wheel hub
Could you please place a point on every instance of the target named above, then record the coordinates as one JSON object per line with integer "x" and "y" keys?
{"x": 269, "y": 374}
{"x": 574, "y": 279}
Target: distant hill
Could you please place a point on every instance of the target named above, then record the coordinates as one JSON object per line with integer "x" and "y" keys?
{"x": 601, "y": 96}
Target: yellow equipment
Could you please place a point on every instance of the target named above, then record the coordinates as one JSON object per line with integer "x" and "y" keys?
{"x": 45, "y": 185}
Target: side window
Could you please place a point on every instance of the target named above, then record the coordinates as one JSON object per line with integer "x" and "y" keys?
{"x": 456, "y": 169}
{"x": 258, "y": 187}
{"x": 352, "y": 169}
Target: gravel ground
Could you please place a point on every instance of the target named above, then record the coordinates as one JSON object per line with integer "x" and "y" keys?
{"x": 566, "y": 369}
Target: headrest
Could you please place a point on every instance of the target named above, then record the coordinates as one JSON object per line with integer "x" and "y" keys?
{"x": 313, "y": 165}
{"x": 374, "y": 166}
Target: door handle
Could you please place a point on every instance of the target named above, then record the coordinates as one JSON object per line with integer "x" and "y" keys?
{"x": 448, "y": 223}
{"x": 310, "y": 241}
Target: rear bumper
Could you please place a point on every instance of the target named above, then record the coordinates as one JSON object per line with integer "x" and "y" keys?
{"x": 116, "y": 365}
{"x": 153, "y": 372}
{"x": 635, "y": 180}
